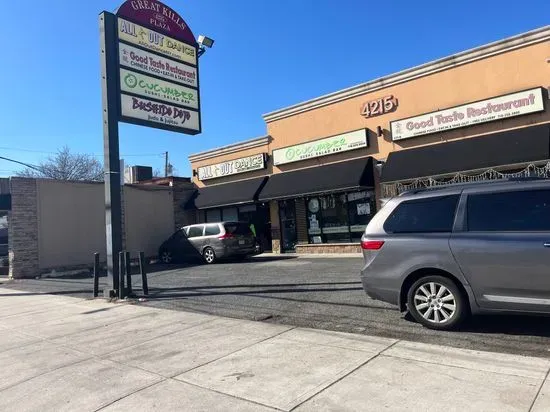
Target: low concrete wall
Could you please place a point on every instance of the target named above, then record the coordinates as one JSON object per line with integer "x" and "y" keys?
{"x": 149, "y": 218}
{"x": 71, "y": 222}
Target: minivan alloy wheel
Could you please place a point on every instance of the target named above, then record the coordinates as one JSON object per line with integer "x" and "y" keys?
{"x": 435, "y": 302}
{"x": 209, "y": 255}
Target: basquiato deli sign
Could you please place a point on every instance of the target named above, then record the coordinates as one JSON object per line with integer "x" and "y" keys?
{"x": 158, "y": 68}
{"x": 496, "y": 108}
{"x": 232, "y": 167}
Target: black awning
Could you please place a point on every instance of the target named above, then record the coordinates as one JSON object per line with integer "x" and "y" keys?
{"x": 349, "y": 175}
{"x": 513, "y": 147}
{"x": 226, "y": 194}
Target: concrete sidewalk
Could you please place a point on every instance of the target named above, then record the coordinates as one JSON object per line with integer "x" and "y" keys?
{"x": 67, "y": 354}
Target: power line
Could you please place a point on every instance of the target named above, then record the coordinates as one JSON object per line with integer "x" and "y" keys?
{"x": 21, "y": 163}
{"x": 15, "y": 149}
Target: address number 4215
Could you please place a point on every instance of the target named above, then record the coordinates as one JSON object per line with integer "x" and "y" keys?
{"x": 379, "y": 106}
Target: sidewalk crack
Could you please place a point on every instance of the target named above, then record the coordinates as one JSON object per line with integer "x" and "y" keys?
{"x": 345, "y": 376}
{"x": 539, "y": 391}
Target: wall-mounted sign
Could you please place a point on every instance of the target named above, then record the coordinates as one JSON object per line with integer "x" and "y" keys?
{"x": 165, "y": 114}
{"x": 160, "y": 66}
{"x": 160, "y": 71}
{"x": 496, "y": 108}
{"x": 380, "y": 106}
{"x": 156, "y": 42}
{"x": 150, "y": 87}
{"x": 322, "y": 147}
{"x": 232, "y": 167}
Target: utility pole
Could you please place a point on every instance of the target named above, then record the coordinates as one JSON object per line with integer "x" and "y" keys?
{"x": 165, "y": 164}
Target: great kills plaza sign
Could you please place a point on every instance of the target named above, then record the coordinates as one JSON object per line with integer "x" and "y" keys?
{"x": 159, "y": 85}
{"x": 149, "y": 77}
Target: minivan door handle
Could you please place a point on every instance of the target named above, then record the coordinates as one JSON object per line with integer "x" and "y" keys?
{"x": 547, "y": 244}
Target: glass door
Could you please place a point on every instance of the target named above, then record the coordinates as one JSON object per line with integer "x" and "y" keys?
{"x": 287, "y": 215}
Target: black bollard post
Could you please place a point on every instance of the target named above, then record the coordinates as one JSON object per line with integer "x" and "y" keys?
{"x": 128, "y": 275}
{"x": 96, "y": 275}
{"x": 143, "y": 272}
{"x": 121, "y": 270}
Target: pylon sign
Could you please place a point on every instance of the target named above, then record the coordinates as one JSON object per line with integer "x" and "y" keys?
{"x": 149, "y": 77}
{"x": 157, "y": 68}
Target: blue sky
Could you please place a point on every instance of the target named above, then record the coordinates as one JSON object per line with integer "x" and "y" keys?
{"x": 267, "y": 55}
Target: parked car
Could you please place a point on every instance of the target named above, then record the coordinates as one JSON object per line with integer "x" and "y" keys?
{"x": 444, "y": 253}
{"x": 209, "y": 242}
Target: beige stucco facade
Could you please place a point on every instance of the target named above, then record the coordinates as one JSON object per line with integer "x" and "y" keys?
{"x": 499, "y": 74}
{"x": 505, "y": 67}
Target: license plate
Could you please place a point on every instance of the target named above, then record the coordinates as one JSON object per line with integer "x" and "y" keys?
{"x": 241, "y": 242}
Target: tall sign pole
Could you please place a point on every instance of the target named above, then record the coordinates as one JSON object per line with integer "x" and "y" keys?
{"x": 149, "y": 77}
{"x": 109, "y": 88}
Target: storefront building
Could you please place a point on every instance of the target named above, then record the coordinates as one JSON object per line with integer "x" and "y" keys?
{"x": 327, "y": 165}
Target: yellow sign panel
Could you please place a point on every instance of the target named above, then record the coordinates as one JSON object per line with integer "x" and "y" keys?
{"x": 159, "y": 43}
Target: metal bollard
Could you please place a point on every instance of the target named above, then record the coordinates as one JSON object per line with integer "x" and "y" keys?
{"x": 128, "y": 274}
{"x": 96, "y": 275}
{"x": 121, "y": 265}
{"x": 143, "y": 272}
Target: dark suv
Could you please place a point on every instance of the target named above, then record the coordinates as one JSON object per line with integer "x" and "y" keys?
{"x": 446, "y": 252}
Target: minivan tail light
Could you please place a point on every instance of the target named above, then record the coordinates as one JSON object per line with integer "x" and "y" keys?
{"x": 371, "y": 244}
{"x": 226, "y": 236}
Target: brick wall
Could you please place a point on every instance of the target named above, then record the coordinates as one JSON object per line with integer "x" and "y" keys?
{"x": 328, "y": 248}
{"x": 23, "y": 229}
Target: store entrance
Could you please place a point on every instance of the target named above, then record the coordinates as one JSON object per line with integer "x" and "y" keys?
{"x": 258, "y": 216}
{"x": 287, "y": 216}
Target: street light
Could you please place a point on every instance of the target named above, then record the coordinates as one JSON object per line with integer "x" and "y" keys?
{"x": 204, "y": 42}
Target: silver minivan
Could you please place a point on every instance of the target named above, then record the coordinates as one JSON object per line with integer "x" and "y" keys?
{"x": 209, "y": 242}
{"x": 446, "y": 252}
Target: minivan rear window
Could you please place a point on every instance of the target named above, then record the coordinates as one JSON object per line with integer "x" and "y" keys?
{"x": 430, "y": 215}
{"x": 238, "y": 229}
{"x": 211, "y": 230}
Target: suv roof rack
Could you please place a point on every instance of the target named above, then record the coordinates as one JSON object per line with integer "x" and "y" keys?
{"x": 468, "y": 184}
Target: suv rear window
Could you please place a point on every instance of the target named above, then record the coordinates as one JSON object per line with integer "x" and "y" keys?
{"x": 516, "y": 211}
{"x": 434, "y": 214}
{"x": 238, "y": 229}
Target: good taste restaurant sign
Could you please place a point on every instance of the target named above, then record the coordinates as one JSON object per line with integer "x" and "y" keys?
{"x": 232, "y": 167}
{"x": 322, "y": 147}
{"x": 496, "y": 108}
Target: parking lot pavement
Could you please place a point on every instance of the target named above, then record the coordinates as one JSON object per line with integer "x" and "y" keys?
{"x": 323, "y": 293}
{"x": 66, "y": 354}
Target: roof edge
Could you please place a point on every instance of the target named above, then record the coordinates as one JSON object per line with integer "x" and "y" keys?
{"x": 461, "y": 58}
{"x": 232, "y": 148}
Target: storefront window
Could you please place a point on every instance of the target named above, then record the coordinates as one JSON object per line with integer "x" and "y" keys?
{"x": 230, "y": 214}
{"x": 213, "y": 215}
{"x": 361, "y": 207}
{"x": 339, "y": 217}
